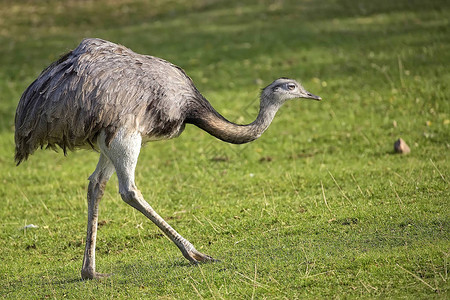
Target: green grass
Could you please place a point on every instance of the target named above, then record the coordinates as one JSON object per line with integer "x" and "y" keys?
{"x": 318, "y": 207}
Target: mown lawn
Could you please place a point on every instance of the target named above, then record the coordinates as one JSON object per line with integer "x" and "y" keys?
{"x": 318, "y": 207}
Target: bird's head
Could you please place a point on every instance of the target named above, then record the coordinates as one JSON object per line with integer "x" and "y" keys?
{"x": 284, "y": 89}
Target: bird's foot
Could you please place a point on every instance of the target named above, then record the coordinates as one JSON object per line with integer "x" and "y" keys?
{"x": 196, "y": 257}
{"x": 91, "y": 274}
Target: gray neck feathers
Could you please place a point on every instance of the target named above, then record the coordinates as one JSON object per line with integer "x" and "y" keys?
{"x": 208, "y": 119}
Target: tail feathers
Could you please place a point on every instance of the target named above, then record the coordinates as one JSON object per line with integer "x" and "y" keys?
{"x": 20, "y": 156}
{"x": 22, "y": 153}
{"x": 25, "y": 148}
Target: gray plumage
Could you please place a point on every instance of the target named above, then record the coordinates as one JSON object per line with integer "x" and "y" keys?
{"x": 104, "y": 95}
{"x": 104, "y": 86}
{"x": 101, "y": 86}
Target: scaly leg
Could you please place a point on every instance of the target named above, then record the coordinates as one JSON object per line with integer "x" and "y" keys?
{"x": 123, "y": 153}
{"x": 97, "y": 183}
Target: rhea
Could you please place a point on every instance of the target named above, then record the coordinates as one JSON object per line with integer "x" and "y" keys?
{"x": 109, "y": 98}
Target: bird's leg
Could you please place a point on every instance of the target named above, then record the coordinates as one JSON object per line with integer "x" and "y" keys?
{"x": 133, "y": 197}
{"x": 97, "y": 183}
{"x": 123, "y": 153}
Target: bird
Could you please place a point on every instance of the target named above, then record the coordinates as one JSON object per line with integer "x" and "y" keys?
{"x": 104, "y": 96}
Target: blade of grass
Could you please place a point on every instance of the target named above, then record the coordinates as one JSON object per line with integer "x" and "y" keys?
{"x": 418, "y": 278}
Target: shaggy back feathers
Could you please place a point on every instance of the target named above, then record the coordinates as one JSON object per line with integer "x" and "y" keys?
{"x": 101, "y": 86}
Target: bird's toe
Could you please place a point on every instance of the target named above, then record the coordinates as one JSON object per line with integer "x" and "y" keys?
{"x": 200, "y": 257}
{"x": 94, "y": 275}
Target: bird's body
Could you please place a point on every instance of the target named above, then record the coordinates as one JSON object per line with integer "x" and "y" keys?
{"x": 106, "y": 96}
{"x": 102, "y": 86}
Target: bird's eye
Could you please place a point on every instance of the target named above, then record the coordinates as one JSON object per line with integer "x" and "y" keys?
{"x": 291, "y": 86}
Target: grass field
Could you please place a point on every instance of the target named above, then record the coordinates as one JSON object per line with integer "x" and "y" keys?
{"x": 318, "y": 207}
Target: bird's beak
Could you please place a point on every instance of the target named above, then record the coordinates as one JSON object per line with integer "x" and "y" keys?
{"x": 308, "y": 95}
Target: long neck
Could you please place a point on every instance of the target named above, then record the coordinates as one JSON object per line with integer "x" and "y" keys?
{"x": 208, "y": 119}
